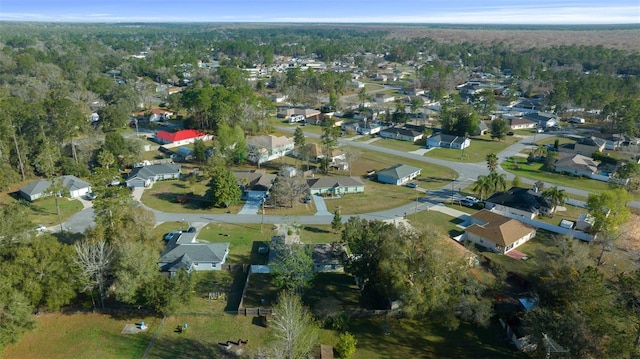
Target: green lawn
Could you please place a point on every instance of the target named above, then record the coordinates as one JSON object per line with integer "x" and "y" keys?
{"x": 533, "y": 171}
{"x": 163, "y": 196}
{"x": 404, "y": 146}
{"x": 444, "y": 223}
{"x": 83, "y": 336}
{"x": 332, "y": 292}
{"x": 43, "y": 211}
{"x": 480, "y": 147}
{"x": 380, "y": 337}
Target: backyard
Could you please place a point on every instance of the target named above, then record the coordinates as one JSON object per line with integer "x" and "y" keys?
{"x": 43, "y": 211}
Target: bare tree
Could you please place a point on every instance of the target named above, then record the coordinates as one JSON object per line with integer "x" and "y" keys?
{"x": 287, "y": 188}
{"x": 94, "y": 260}
{"x": 294, "y": 329}
{"x": 350, "y": 156}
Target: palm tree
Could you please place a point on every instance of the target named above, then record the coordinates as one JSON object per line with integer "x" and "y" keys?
{"x": 556, "y": 197}
{"x": 498, "y": 181}
{"x": 482, "y": 186}
{"x": 492, "y": 162}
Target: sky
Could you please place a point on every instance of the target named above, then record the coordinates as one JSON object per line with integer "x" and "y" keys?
{"x": 544, "y": 12}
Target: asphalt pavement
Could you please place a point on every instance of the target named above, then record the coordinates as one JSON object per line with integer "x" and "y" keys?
{"x": 466, "y": 173}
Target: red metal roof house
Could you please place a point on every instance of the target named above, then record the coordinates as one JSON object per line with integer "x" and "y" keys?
{"x": 180, "y": 138}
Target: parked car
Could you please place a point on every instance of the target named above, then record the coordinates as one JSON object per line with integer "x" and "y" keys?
{"x": 169, "y": 236}
{"x": 467, "y": 203}
{"x": 191, "y": 230}
{"x": 263, "y": 249}
{"x": 91, "y": 196}
{"x": 306, "y": 200}
{"x": 41, "y": 228}
{"x": 412, "y": 185}
{"x": 510, "y": 133}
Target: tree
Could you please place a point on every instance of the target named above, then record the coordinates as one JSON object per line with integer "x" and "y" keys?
{"x": 346, "y": 345}
{"x": 293, "y": 267}
{"x": 135, "y": 265}
{"x": 166, "y": 294}
{"x": 199, "y": 151}
{"x": 497, "y": 181}
{"x": 499, "y": 128}
{"x": 350, "y": 156}
{"x": 294, "y": 330}
{"x": 550, "y": 160}
{"x": 609, "y": 210}
{"x": 482, "y": 186}
{"x": 556, "y": 197}
{"x": 538, "y": 186}
{"x": 329, "y": 139}
{"x": 516, "y": 181}
{"x": 288, "y": 189}
{"x": 15, "y": 314}
{"x": 365, "y": 239}
{"x": 492, "y": 162}
{"x": 94, "y": 261}
{"x": 298, "y": 138}
{"x": 336, "y": 223}
{"x": 223, "y": 188}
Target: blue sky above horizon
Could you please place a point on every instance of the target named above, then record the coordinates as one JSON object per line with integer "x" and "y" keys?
{"x": 544, "y": 12}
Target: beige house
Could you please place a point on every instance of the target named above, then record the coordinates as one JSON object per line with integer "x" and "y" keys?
{"x": 496, "y": 232}
{"x": 267, "y": 148}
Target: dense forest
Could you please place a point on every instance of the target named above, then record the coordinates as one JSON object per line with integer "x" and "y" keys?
{"x": 54, "y": 77}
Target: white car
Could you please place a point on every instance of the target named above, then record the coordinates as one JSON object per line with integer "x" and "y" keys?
{"x": 41, "y": 228}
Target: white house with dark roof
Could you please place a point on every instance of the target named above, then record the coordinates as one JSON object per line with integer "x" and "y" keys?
{"x": 542, "y": 119}
{"x": 75, "y": 187}
{"x": 448, "y": 141}
{"x": 147, "y": 175}
{"x": 35, "y": 190}
{"x": 185, "y": 252}
{"x": 398, "y": 174}
{"x": 335, "y": 186}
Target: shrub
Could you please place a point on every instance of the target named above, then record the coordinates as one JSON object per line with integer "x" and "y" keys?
{"x": 346, "y": 345}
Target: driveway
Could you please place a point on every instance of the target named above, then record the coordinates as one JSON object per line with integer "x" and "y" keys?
{"x": 321, "y": 207}
{"x": 253, "y": 203}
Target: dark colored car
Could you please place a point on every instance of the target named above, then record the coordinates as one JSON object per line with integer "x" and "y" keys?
{"x": 191, "y": 230}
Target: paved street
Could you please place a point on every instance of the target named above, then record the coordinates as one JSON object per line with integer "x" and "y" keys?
{"x": 467, "y": 174}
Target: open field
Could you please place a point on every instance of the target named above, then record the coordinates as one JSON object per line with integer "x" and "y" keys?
{"x": 405, "y": 146}
{"x": 83, "y": 335}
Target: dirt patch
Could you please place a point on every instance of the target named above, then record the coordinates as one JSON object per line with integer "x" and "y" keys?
{"x": 630, "y": 238}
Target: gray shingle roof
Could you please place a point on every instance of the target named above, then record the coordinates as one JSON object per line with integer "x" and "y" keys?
{"x": 36, "y": 187}
{"x": 178, "y": 256}
{"x": 330, "y": 182}
{"x": 152, "y": 171}
{"x": 73, "y": 183}
{"x": 398, "y": 171}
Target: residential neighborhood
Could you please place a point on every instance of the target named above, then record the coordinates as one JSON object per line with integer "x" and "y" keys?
{"x": 407, "y": 195}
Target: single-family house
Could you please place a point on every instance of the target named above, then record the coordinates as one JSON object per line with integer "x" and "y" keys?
{"x": 185, "y": 252}
{"x": 521, "y": 123}
{"x": 335, "y": 186}
{"x": 185, "y": 153}
{"x": 267, "y": 148}
{"x": 254, "y": 183}
{"x": 585, "y": 222}
{"x": 75, "y": 186}
{"x": 315, "y": 153}
{"x": 327, "y": 258}
{"x": 586, "y": 146}
{"x": 158, "y": 114}
{"x": 575, "y": 164}
{"x": 308, "y": 114}
{"x": 483, "y": 129}
{"x": 448, "y": 141}
{"x": 180, "y": 138}
{"x": 398, "y": 174}
{"x": 401, "y": 134}
{"x": 542, "y": 119}
{"x": 520, "y": 202}
{"x": 147, "y": 175}
{"x": 411, "y": 91}
{"x": 497, "y": 232}
{"x": 35, "y": 190}
{"x": 383, "y": 98}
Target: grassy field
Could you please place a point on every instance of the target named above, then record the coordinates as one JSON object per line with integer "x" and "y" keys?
{"x": 480, "y": 147}
{"x": 164, "y": 195}
{"x": 380, "y": 337}
{"x": 534, "y": 171}
{"x": 43, "y": 211}
{"x": 82, "y": 336}
{"x": 404, "y": 146}
{"x": 444, "y": 223}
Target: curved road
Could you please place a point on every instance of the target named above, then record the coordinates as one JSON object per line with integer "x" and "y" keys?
{"x": 467, "y": 173}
